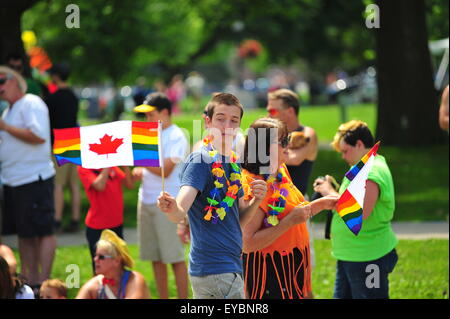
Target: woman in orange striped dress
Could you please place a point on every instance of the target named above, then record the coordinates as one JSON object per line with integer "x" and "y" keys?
{"x": 276, "y": 241}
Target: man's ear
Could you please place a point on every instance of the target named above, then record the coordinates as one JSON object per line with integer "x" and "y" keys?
{"x": 208, "y": 120}
{"x": 360, "y": 144}
{"x": 292, "y": 111}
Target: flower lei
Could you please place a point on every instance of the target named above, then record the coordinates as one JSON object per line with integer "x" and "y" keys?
{"x": 277, "y": 202}
{"x": 219, "y": 208}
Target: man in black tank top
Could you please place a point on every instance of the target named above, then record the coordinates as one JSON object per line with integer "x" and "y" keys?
{"x": 283, "y": 104}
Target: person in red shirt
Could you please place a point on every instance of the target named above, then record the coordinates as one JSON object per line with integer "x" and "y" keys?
{"x": 103, "y": 189}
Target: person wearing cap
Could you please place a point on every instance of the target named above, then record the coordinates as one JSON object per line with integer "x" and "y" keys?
{"x": 114, "y": 279}
{"x": 158, "y": 240}
{"x": 63, "y": 110}
{"x": 27, "y": 173}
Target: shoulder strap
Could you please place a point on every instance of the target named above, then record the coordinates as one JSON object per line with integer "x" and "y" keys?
{"x": 104, "y": 292}
{"x": 123, "y": 284}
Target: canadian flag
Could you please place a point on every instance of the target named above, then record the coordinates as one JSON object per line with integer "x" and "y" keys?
{"x": 106, "y": 145}
{"x": 121, "y": 143}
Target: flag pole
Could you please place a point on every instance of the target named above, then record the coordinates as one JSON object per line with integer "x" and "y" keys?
{"x": 161, "y": 158}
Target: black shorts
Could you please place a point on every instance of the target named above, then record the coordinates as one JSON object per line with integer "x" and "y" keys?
{"x": 29, "y": 209}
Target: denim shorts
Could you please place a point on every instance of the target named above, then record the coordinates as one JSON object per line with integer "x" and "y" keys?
{"x": 364, "y": 280}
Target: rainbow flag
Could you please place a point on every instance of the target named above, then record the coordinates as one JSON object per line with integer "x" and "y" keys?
{"x": 351, "y": 203}
{"x": 121, "y": 143}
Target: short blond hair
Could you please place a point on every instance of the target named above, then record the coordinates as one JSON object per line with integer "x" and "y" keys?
{"x": 352, "y": 131}
{"x": 57, "y": 284}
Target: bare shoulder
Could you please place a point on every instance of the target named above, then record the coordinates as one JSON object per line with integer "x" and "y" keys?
{"x": 5, "y": 251}
{"x": 310, "y": 132}
{"x": 137, "y": 287}
{"x": 89, "y": 289}
{"x": 137, "y": 277}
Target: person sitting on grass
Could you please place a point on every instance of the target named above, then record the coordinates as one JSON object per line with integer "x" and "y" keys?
{"x": 12, "y": 287}
{"x": 114, "y": 280}
{"x": 8, "y": 254}
{"x": 53, "y": 289}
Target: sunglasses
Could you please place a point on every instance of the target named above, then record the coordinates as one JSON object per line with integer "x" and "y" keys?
{"x": 3, "y": 80}
{"x": 16, "y": 67}
{"x": 273, "y": 112}
{"x": 103, "y": 257}
{"x": 284, "y": 142}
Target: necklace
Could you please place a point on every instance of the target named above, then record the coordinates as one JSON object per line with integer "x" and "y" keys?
{"x": 218, "y": 208}
{"x": 277, "y": 202}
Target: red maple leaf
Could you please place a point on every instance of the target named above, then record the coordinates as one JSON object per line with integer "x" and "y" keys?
{"x": 106, "y": 146}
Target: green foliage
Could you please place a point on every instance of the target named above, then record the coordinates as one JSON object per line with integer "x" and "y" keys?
{"x": 120, "y": 40}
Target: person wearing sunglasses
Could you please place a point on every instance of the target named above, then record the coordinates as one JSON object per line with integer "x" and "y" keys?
{"x": 27, "y": 173}
{"x": 16, "y": 62}
{"x": 283, "y": 104}
{"x": 276, "y": 240}
{"x": 114, "y": 278}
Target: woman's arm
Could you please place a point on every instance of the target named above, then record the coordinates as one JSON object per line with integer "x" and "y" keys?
{"x": 255, "y": 238}
{"x": 88, "y": 290}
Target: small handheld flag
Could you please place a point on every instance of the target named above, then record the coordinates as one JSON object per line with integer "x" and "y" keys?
{"x": 121, "y": 143}
{"x": 351, "y": 203}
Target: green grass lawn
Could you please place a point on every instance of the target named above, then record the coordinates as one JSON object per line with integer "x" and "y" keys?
{"x": 420, "y": 174}
{"x": 421, "y": 272}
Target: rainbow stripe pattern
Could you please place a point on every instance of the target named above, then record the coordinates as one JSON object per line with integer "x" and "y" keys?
{"x": 67, "y": 146}
{"x": 351, "y": 203}
{"x": 145, "y": 136}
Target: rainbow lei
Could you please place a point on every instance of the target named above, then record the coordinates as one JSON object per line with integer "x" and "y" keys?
{"x": 217, "y": 209}
{"x": 277, "y": 202}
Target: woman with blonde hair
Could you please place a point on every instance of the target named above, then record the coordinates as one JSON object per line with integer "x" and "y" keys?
{"x": 114, "y": 278}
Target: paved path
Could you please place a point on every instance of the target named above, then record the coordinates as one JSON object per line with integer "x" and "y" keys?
{"x": 404, "y": 230}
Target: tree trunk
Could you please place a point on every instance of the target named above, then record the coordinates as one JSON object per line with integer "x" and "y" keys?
{"x": 11, "y": 33}
{"x": 407, "y": 100}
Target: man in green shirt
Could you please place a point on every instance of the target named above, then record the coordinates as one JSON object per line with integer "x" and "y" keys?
{"x": 365, "y": 260}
